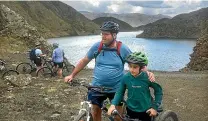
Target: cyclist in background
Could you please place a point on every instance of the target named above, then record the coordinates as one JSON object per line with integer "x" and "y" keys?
{"x": 58, "y": 59}
{"x": 35, "y": 56}
{"x": 139, "y": 100}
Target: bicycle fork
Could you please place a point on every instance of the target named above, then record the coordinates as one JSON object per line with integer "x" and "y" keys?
{"x": 86, "y": 106}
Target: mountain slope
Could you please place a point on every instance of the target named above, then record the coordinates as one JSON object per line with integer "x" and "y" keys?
{"x": 53, "y": 18}
{"x": 16, "y": 35}
{"x": 123, "y": 26}
{"x": 199, "y": 58}
{"x": 180, "y": 26}
{"x": 134, "y": 19}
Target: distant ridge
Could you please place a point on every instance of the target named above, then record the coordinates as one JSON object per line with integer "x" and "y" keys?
{"x": 180, "y": 26}
{"x": 133, "y": 19}
{"x": 122, "y": 25}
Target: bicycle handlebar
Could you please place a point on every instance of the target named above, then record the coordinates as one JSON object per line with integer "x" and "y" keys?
{"x": 115, "y": 112}
{"x": 95, "y": 88}
{"x": 89, "y": 87}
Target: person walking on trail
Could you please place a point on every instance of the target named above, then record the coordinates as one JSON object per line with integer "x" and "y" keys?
{"x": 58, "y": 59}
{"x": 109, "y": 55}
{"x": 139, "y": 100}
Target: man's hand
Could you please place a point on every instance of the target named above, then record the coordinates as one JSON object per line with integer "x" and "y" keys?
{"x": 112, "y": 107}
{"x": 68, "y": 78}
{"x": 152, "y": 112}
{"x": 151, "y": 76}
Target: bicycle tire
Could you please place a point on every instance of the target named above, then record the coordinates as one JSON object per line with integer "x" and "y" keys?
{"x": 168, "y": 115}
{"x": 9, "y": 72}
{"x": 24, "y": 68}
{"x": 81, "y": 116}
{"x": 44, "y": 72}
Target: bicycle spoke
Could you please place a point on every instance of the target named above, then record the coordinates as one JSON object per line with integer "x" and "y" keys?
{"x": 24, "y": 68}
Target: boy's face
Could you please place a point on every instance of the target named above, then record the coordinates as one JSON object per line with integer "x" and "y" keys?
{"x": 134, "y": 69}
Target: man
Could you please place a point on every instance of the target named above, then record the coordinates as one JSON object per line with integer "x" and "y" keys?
{"x": 58, "y": 58}
{"x": 109, "y": 66}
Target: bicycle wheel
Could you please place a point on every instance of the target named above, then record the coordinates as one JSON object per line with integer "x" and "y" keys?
{"x": 81, "y": 116}
{"x": 24, "y": 68}
{"x": 168, "y": 116}
{"x": 9, "y": 72}
{"x": 44, "y": 72}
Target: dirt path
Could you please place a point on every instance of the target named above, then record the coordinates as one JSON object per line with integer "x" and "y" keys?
{"x": 53, "y": 100}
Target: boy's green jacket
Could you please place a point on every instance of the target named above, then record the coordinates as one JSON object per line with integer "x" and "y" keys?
{"x": 139, "y": 98}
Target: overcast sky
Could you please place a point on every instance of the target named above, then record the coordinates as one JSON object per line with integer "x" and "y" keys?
{"x": 165, "y": 7}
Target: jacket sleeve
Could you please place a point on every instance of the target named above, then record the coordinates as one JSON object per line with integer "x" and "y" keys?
{"x": 158, "y": 95}
{"x": 120, "y": 93}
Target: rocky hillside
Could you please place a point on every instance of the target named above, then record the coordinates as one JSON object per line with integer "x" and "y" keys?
{"x": 199, "y": 58}
{"x": 16, "y": 35}
{"x": 180, "y": 26}
{"x": 53, "y": 18}
{"x": 123, "y": 26}
{"x": 134, "y": 19}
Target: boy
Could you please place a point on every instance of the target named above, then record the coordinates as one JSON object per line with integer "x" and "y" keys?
{"x": 139, "y": 102}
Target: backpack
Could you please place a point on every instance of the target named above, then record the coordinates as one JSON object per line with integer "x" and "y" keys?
{"x": 118, "y": 48}
{"x": 32, "y": 54}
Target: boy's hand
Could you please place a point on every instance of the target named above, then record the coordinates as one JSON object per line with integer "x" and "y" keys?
{"x": 152, "y": 112}
{"x": 112, "y": 107}
{"x": 151, "y": 76}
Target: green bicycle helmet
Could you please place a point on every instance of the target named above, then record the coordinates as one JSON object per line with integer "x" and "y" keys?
{"x": 137, "y": 58}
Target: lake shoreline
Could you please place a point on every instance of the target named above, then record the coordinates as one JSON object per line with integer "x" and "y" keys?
{"x": 163, "y": 54}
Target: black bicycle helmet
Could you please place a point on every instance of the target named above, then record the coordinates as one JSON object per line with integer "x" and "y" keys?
{"x": 55, "y": 45}
{"x": 137, "y": 58}
{"x": 110, "y": 26}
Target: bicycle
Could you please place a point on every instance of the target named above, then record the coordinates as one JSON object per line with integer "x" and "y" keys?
{"x": 26, "y": 68}
{"x": 6, "y": 72}
{"x": 48, "y": 65}
{"x": 167, "y": 115}
{"x": 85, "y": 110}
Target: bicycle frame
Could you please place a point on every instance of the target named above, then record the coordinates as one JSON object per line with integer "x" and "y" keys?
{"x": 87, "y": 105}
